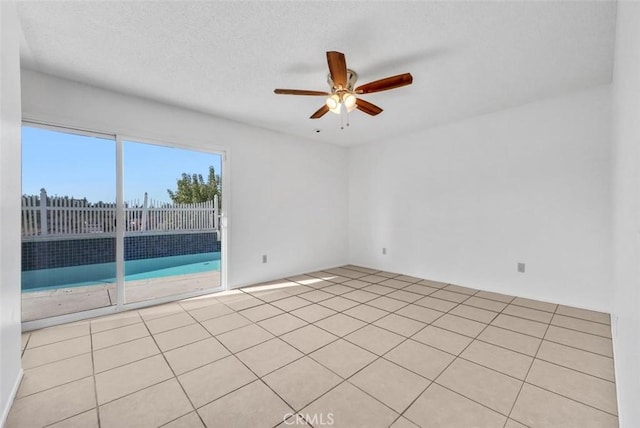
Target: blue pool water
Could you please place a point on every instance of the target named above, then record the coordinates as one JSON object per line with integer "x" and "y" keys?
{"x": 105, "y": 273}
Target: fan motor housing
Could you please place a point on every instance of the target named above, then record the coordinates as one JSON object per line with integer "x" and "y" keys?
{"x": 352, "y": 77}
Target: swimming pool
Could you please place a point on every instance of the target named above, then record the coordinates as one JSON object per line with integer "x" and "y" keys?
{"x": 105, "y": 273}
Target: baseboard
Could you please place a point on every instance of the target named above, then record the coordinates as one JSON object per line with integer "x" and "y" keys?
{"x": 12, "y": 396}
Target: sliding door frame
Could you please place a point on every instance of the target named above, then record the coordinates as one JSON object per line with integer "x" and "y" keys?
{"x": 120, "y": 139}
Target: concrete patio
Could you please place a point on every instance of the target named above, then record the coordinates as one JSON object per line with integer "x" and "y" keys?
{"x": 61, "y": 301}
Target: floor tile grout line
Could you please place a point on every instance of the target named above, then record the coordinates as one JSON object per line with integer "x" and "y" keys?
{"x": 95, "y": 383}
{"x": 553, "y": 312}
{"x": 233, "y": 354}
{"x": 573, "y": 369}
{"x": 54, "y": 342}
{"x": 119, "y": 343}
{"x": 456, "y": 392}
{"x": 56, "y": 361}
{"x": 572, "y": 399}
{"x": 554, "y": 341}
{"x": 581, "y": 331}
{"x": 26, "y": 345}
{"x": 59, "y": 384}
{"x": 327, "y": 344}
{"x": 381, "y": 356}
{"x": 63, "y": 384}
{"x": 529, "y": 356}
{"x": 120, "y": 326}
{"x": 472, "y": 400}
{"x": 458, "y": 356}
{"x": 135, "y": 392}
{"x": 401, "y": 414}
{"x": 170, "y": 314}
{"x": 351, "y": 267}
{"x": 483, "y": 296}
{"x": 84, "y": 411}
{"x": 516, "y": 421}
{"x": 53, "y": 387}
{"x": 388, "y": 313}
{"x": 343, "y": 380}
{"x": 529, "y": 318}
{"x": 521, "y": 305}
{"x": 130, "y": 362}
{"x": 166, "y": 361}
{"x": 240, "y": 360}
{"x": 380, "y": 401}
{"x": 182, "y": 416}
{"x": 341, "y": 294}
{"x": 516, "y": 331}
{"x": 114, "y": 317}
{"x": 513, "y": 405}
{"x": 467, "y": 303}
{"x": 491, "y": 368}
{"x": 337, "y": 312}
{"x": 70, "y": 417}
{"x": 576, "y": 370}
{"x": 344, "y": 267}
{"x": 575, "y": 347}
{"x": 515, "y": 350}
{"x": 304, "y": 354}
{"x": 585, "y": 319}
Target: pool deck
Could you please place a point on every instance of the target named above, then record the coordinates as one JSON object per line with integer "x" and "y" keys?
{"x": 61, "y": 301}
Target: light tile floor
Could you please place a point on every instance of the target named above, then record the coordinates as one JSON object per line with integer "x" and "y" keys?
{"x": 349, "y": 347}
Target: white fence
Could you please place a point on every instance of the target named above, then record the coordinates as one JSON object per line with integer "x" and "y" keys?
{"x": 62, "y": 216}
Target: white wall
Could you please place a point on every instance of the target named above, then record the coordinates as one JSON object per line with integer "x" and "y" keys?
{"x": 288, "y": 196}
{"x": 10, "y": 370}
{"x": 626, "y": 219}
{"x": 465, "y": 202}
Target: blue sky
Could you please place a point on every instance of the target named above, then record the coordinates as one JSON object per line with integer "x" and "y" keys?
{"x": 80, "y": 166}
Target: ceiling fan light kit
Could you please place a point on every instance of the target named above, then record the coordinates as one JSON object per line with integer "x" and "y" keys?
{"x": 343, "y": 97}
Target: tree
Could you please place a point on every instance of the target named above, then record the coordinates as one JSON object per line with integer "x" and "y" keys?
{"x": 193, "y": 189}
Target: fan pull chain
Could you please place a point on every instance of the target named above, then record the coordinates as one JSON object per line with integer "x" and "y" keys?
{"x": 343, "y": 112}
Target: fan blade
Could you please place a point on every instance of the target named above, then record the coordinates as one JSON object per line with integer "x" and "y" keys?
{"x": 321, "y": 112}
{"x": 299, "y": 92}
{"x": 385, "y": 84}
{"x": 367, "y": 107}
{"x": 337, "y": 68}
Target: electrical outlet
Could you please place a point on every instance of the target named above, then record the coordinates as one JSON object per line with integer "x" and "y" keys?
{"x": 384, "y": 251}
{"x": 264, "y": 258}
{"x": 521, "y": 267}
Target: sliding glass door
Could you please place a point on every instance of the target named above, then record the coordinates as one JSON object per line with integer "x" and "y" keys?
{"x": 172, "y": 200}
{"x": 111, "y": 223}
{"x": 68, "y": 222}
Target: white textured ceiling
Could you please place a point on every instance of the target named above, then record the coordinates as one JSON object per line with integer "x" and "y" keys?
{"x": 225, "y": 58}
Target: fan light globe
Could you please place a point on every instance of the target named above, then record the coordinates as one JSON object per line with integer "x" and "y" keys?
{"x": 333, "y": 102}
{"x": 349, "y": 101}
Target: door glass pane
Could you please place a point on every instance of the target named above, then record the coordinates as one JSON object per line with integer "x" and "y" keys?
{"x": 172, "y": 235}
{"x": 68, "y": 223}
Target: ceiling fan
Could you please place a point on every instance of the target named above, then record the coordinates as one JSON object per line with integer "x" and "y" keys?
{"x": 343, "y": 94}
